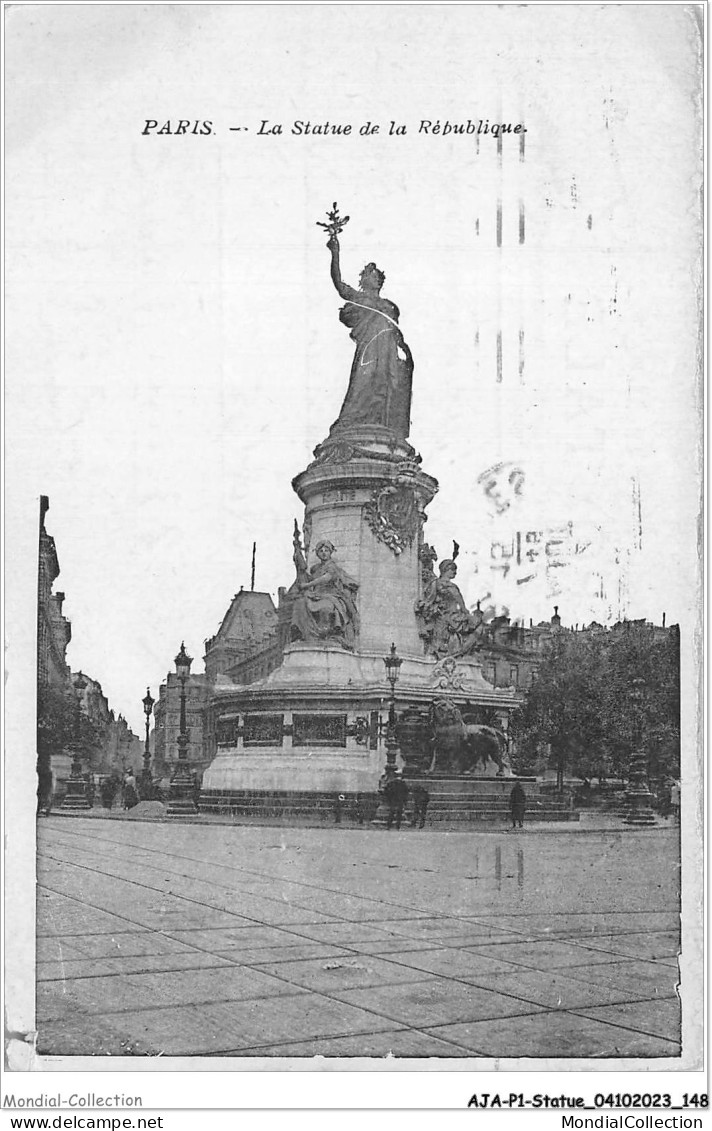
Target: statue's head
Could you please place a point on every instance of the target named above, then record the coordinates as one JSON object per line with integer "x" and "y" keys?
{"x": 447, "y": 568}
{"x": 324, "y": 550}
{"x": 371, "y": 278}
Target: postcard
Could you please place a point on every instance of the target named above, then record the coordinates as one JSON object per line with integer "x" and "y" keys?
{"x": 354, "y": 466}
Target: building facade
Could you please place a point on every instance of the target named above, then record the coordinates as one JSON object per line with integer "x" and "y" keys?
{"x": 54, "y": 631}
{"x": 71, "y": 706}
{"x": 112, "y": 747}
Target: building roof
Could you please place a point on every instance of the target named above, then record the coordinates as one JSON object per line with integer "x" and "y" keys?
{"x": 247, "y": 605}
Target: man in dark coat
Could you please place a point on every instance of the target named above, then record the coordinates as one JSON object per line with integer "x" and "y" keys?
{"x": 421, "y": 797}
{"x": 108, "y": 790}
{"x": 45, "y": 788}
{"x": 517, "y": 804}
{"x": 396, "y": 794}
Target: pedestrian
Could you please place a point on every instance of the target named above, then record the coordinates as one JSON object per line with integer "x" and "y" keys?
{"x": 338, "y": 807}
{"x": 675, "y": 802}
{"x": 358, "y": 810}
{"x": 108, "y": 792}
{"x": 517, "y": 804}
{"x": 130, "y": 794}
{"x": 197, "y": 787}
{"x": 421, "y": 797}
{"x": 396, "y": 794}
{"x": 664, "y": 793}
{"x": 45, "y": 789}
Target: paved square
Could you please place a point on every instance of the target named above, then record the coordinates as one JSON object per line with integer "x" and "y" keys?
{"x": 233, "y": 940}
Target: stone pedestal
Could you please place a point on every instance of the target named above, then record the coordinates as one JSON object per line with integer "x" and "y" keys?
{"x": 316, "y": 725}
{"x": 366, "y": 493}
{"x": 181, "y": 795}
{"x": 76, "y": 796}
{"x": 318, "y": 722}
{"x": 638, "y": 795}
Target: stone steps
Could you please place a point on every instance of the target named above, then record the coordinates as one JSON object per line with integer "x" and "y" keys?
{"x": 264, "y": 803}
{"x": 447, "y": 806}
{"x": 464, "y": 815}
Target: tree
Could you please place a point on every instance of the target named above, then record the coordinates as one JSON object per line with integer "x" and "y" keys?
{"x": 61, "y": 726}
{"x": 561, "y": 713}
{"x": 56, "y": 722}
{"x": 638, "y": 651}
{"x": 580, "y": 712}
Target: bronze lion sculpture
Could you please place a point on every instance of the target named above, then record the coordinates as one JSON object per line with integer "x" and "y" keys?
{"x": 458, "y": 747}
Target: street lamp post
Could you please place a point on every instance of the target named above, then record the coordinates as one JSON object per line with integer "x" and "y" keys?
{"x": 393, "y": 664}
{"x": 638, "y": 797}
{"x": 181, "y": 799}
{"x": 560, "y": 768}
{"x": 76, "y": 796}
{"x": 557, "y": 716}
{"x": 146, "y": 779}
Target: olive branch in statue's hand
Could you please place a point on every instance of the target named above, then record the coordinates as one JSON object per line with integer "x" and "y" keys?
{"x": 335, "y": 225}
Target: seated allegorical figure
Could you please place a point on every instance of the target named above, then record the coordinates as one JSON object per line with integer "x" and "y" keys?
{"x": 445, "y": 623}
{"x": 324, "y": 599}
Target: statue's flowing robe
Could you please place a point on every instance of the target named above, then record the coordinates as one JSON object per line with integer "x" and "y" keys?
{"x": 444, "y": 622}
{"x": 380, "y": 385}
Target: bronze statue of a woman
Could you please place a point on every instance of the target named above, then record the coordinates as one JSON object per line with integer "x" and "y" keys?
{"x": 381, "y": 380}
{"x": 444, "y": 622}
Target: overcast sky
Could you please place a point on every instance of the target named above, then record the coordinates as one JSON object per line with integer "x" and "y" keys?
{"x": 174, "y": 352}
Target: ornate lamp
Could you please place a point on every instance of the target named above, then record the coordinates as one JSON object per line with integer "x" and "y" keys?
{"x": 393, "y": 665}
{"x": 146, "y": 779}
{"x": 181, "y": 798}
{"x": 76, "y": 796}
{"x": 182, "y": 663}
{"x": 639, "y": 811}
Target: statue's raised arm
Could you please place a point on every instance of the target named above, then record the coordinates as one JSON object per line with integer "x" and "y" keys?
{"x": 380, "y": 387}
{"x": 344, "y": 290}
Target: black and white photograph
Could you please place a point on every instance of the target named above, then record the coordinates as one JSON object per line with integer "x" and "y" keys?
{"x": 353, "y": 541}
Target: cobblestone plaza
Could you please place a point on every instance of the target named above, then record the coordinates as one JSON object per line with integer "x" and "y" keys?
{"x": 246, "y": 941}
